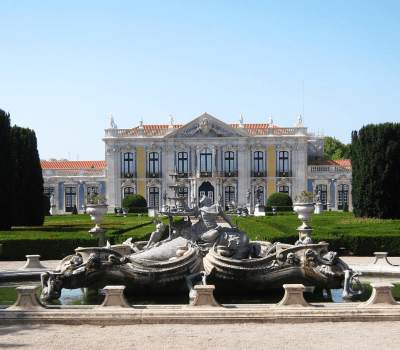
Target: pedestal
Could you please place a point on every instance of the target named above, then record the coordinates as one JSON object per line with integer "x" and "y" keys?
{"x": 293, "y": 296}
{"x": 249, "y": 208}
{"x": 53, "y": 209}
{"x": 32, "y": 262}
{"x": 259, "y": 210}
{"x": 319, "y": 208}
{"x": 204, "y": 297}
{"x": 101, "y": 234}
{"x": 114, "y": 298}
{"x": 152, "y": 212}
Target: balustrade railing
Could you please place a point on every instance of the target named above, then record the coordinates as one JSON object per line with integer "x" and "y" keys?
{"x": 258, "y": 173}
{"x": 329, "y": 168}
{"x": 150, "y": 175}
{"x": 131, "y": 175}
{"x": 280, "y": 173}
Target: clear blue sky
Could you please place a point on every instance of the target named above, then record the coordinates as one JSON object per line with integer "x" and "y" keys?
{"x": 67, "y": 65}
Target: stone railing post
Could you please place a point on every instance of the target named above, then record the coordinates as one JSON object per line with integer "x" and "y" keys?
{"x": 27, "y": 299}
{"x": 381, "y": 295}
{"x": 204, "y": 297}
{"x": 114, "y": 298}
{"x": 293, "y": 296}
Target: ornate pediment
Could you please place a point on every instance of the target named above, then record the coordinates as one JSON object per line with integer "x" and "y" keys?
{"x": 128, "y": 183}
{"x": 229, "y": 148}
{"x": 229, "y": 182}
{"x": 206, "y": 126}
{"x": 153, "y": 183}
{"x": 128, "y": 148}
{"x": 259, "y": 182}
{"x": 153, "y": 148}
{"x": 258, "y": 147}
{"x": 283, "y": 181}
{"x": 182, "y": 148}
{"x": 283, "y": 146}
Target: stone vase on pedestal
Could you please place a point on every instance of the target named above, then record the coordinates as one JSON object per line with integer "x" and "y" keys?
{"x": 304, "y": 210}
{"x": 97, "y": 212}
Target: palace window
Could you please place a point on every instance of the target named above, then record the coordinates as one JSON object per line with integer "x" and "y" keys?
{"x": 49, "y": 191}
{"x": 128, "y": 190}
{"x": 206, "y": 160}
{"x": 92, "y": 189}
{"x": 258, "y": 161}
{"x": 153, "y": 163}
{"x": 284, "y": 189}
{"x": 70, "y": 198}
{"x": 343, "y": 196}
{"x": 128, "y": 163}
{"x": 183, "y": 192}
{"x": 229, "y": 162}
{"x": 182, "y": 162}
{"x": 153, "y": 196}
{"x": 229, "y": 195}
{"x": 283, "y": 161}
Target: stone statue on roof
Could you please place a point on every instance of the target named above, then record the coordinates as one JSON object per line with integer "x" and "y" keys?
{"x": 241, "y": 121}
{"x": 140, "y": 123}
{"x": 112, "y": 123}
{"x": 271, "y": 121}
{"x": 299, "y": 121}
{"x": 171, "y": 119}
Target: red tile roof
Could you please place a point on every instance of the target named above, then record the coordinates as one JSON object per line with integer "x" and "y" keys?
{"x": 84, "y": 164}
{"x": 341, "y": 162}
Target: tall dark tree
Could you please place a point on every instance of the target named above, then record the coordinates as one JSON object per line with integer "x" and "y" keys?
{"x": 375, "y": 159}
{"x": 28, "y": 179}
{"x": 6, "y": 172}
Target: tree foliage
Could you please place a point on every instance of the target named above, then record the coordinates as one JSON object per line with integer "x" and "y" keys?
{"x": 334, "y": 149}
{"x": 6, "y": 172}
{"x": 375, "y": 159}
{"x": 133, "y": 200}
{"x": 28, "y": 179}
{"x": 280, "y": 200}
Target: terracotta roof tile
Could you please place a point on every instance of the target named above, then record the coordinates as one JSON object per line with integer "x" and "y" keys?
{"x": 84, "y": 164}
{"x": 341, "y": 162}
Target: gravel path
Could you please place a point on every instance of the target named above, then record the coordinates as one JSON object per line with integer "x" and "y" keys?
{"x": 358, "y": 335}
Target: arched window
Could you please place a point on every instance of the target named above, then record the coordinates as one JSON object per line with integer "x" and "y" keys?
{"x": 128, "y": 165}
{"x": 206, "y": 161}
{"x": 182, "y": 162}
{"x": 153, "y": 197}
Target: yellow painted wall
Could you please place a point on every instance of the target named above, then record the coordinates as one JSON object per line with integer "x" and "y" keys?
{"x": 141, "y": 173}
{"x": 271, "y": 184}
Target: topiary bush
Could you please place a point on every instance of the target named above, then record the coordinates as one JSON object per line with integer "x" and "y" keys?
{"x": 46, "y": 205}
{"x": 133, "y": 200}
{"x": 279, "y": 199}
{"x": 345, "y": 207}
{"x": 74, "y": 211}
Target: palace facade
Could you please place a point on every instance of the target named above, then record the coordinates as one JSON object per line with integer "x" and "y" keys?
{"x": 222, "y": 161}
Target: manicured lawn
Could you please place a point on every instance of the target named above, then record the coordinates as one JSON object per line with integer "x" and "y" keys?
{"x": 61, "y": 234}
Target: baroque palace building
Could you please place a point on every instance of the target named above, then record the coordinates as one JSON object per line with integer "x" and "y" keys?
{"x": 222, "y": 161}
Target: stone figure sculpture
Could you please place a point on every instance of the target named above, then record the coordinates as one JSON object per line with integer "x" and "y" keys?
{"x": 155, "y": 235}
{"x": 165, "y": 194}
{"x": 240, "y": 120}
{"x": 198, "y": 282}
{"x": 171, "y": 120}
{"x": 112, "y": 123}
{"x": 258, "y": 195}
{"x": 52, "y": 201}
{"x": 299, "y": 121}
{"x": 248, "y": 196}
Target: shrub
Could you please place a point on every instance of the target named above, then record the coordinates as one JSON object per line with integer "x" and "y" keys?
{"x": 46, "y": 205}
{"x": 345, "y": 207}
{"x": 74, "y": 211}
{"x": 279, "y": 199}
{"x": 133, "y": 200}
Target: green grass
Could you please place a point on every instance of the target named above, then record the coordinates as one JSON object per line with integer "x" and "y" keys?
{"x": 61, "y": 234}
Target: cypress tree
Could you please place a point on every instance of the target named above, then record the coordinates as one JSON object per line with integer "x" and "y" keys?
{"x": 375, "y": 159}
{"x": 28, "y": 185}
{"x": 6, "y": 172}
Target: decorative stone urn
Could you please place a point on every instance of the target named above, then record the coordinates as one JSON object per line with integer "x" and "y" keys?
{"x": 97, "y": 212}
{"x": 304, "y": 210}
{"x": 125, "y": 212}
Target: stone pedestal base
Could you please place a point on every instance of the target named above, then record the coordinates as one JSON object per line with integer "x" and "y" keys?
{"x": 101, "y": 234}
{"x": 114, "y": 298}
{"x": 381, "y": 256}
{"x": 32, "y": 262}
{"x": 249, "y": 208}
{"x": 27, "y": 299}
{"x": 293, "y": 296}
{"x": 152, "y": 212}
{"x": 319, "y": 208}
{"x": 204, "y": 297}
{"x": 259, "y": 210}
{"x": 381, "y": 295}
{"x": 53, "y": 209}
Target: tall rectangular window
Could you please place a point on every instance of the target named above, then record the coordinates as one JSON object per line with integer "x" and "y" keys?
{"x": 70, "y": 198}
{"x": 283, "y": 161}
{"x": 258, "y": 161}
{"x": 182, "y": 162}
{"x": 206, "y": 160}
{"x": 153, "y": 196}
{"x": 153, "y": 163}
{"x": 128, "y": 163}
{"x": 229, "y": 162}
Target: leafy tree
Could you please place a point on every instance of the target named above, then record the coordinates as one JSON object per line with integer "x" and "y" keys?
{"x": 6, "y": 172}
{"x": 334, "y": 149}
{"x": 28, "y": 179}
{"x": 375, "y": 159}
{"x": 280, "y": 200}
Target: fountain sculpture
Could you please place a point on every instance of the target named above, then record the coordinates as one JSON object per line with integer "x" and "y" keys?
{"x": 226, "y": 254}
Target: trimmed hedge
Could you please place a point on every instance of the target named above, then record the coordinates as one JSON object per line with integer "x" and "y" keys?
{"x": 133, "y": 200}
{"x": 280, "y": 208}
{"x": 279, "y": 199}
